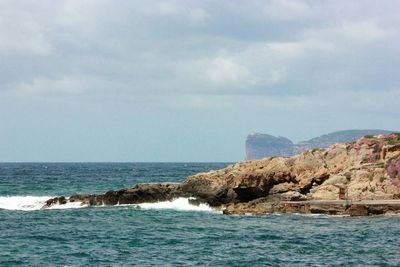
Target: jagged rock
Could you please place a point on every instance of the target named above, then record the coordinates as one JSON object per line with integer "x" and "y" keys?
{"x": 357, "y": 210}
{"x": 138, "y": 194}
{"x": 366, "y": 169}
{"x": 149, "y": 193}
{"x": 330, "y": 209}
{"x": 292, "y": 196}
{"x": 51, "y": 202}
{"x": 312, "y": 175}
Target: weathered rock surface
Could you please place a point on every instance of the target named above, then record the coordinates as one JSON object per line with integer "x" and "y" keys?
{"x": 359, "y": 208}
{"x": 368, "y": 169}
{"x": 138, "y": 194}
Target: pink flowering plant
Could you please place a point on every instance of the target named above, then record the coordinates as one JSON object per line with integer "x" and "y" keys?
{"x": 393, "y": 170}
{"x": 393, "y": 138}
{"x": 375, "y": 144}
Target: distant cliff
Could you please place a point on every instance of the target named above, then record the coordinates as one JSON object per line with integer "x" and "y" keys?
{"x": 260, "y": 145}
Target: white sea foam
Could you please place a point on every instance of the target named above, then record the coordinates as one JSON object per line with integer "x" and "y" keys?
{"x": 68, "y": 205}
{"x": 181, "y": 204}
{"x": 31, "y": 203}
{"x": 23, "y": 202}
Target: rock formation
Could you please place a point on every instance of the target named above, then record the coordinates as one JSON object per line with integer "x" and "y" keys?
{"x": 139, "y": 193}
{"x": 259, "y": 145}
{"x": 367, "y": 169}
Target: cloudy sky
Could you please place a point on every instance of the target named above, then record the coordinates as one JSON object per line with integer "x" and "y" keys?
{"x": 188, "y": 80}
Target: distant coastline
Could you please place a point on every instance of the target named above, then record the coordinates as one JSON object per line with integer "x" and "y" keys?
{"x": 260, "y": 145}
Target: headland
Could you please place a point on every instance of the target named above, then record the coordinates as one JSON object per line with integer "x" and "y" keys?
{"x": 358, "y": 178}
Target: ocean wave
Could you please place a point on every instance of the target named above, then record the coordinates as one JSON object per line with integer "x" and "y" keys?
{"x": 181, "y": 204}
{"x": 27, "y": 203}
{"x": 32, "y": 203}
{"x": 68, "y": 205}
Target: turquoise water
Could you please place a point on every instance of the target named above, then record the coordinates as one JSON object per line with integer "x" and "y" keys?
{"x": 129, "y": 235}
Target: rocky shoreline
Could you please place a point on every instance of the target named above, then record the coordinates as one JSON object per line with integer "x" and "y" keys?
{"x": 329, "y": 207}
{"x": 358, "y": 179}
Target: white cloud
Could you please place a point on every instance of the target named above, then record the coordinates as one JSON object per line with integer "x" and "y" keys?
{"x": 166, "y": 8}
{"x": 287, "y": 10}
{"x": 153, "y": 48}
{"x": 198, "y": 102}
{"x": 324, "y": 101}
{"x": 197, "y": 16}
{"x": 24, "y": 39}
{"x": 23, "y": 30}
{"x": 46, "y": 86}
{"x": 360, "y": 31}
{"x": 226, "y": 71}
{"x": 70, "y": 85}
{"x": 299, "y": 48}
{"x": 192, "y": 14}
{"x": 260, "y": 65}
{"x": 367, "y": 30}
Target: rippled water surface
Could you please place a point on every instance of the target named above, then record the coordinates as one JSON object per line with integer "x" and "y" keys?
{"x": 130, "y": 235}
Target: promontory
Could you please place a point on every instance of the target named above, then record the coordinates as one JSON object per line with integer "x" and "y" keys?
{"x": 357, "y": 178}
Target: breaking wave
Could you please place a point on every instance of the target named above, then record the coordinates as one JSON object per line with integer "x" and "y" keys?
{"x": 181, "y": 204}
{"x": 31, "y": 203}
{"x": 23, "y": 202}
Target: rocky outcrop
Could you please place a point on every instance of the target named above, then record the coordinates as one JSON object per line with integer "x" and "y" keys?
{"x": 140, "y": 193}
{"x": 367, "y": 169}
{"x": 263, "y": 145}
{"x": 335, "y": 180}
{"x": 358, "y": 208}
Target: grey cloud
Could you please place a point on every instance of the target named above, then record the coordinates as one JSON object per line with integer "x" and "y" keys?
{"x": 189, "y": 47}
{"x": 126, "y": 80}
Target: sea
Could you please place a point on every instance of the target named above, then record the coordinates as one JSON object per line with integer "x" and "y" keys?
{"x": 172, "y": 233}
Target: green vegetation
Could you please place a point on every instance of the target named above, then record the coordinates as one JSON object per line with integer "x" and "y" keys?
{"x": 364, "y": 189}
{"x": 382, "y": 179}
{"x": 380, "y": 165}
{"x": 371, "y": 178}
{"x": 393, "y": 141}
{"x": 341, "y": 137}
{"x": 316, "y": 150}
{"x": 348, "y": 176}
{"x": 368, "y": 136}
{"x": 372, "y": 190}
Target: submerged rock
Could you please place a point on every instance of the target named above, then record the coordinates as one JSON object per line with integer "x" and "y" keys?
{"x": 140, "y": 193}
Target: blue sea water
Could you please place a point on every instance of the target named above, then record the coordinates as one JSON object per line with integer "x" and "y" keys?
{"x": 131, "y": 235}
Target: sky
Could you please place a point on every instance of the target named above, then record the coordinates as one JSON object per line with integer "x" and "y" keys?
{"x": 140, "y": 81}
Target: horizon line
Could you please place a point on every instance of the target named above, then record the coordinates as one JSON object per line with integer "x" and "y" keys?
{"x": 2, "y": 162}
